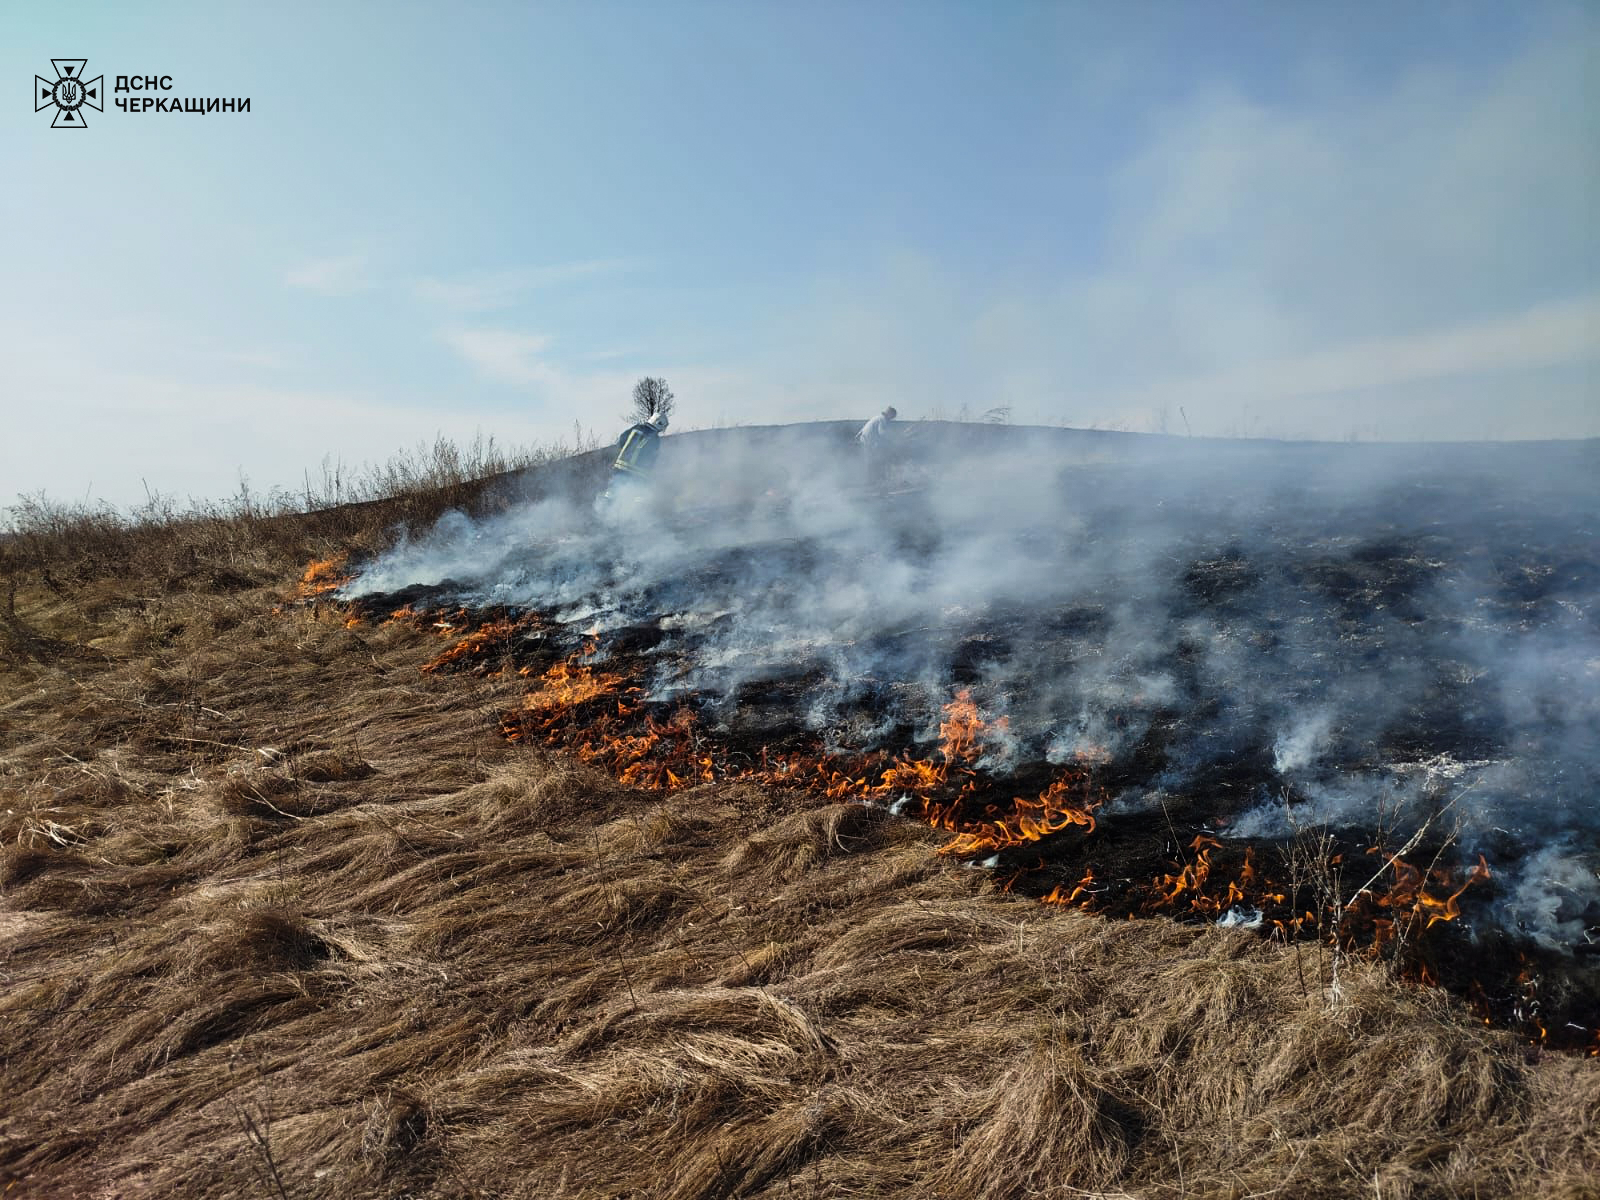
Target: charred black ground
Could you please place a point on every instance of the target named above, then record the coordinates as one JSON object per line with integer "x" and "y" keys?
{"x": 1286, "y": 665}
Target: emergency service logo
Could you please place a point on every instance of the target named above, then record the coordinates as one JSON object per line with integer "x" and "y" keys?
{"x": 70, "y": 93}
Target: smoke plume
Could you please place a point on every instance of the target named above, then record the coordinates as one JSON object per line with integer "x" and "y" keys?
{"x": 1362, "y": 637}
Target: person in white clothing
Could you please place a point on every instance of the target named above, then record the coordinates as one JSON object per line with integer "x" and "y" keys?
{"x": 874, "y": 440}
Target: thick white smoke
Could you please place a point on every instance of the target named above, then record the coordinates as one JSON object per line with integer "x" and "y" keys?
{"x": 1295, "y": 634}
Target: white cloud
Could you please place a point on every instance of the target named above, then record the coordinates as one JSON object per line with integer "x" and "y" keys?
{"x": 264, "y": 360}
{"x": 196, "y": 436}
{"x": 504, "y": 356}
{"x": 1424, "y": 249}
{"x": 487, "y": 290}
{"x": 598, "y": 396}
{"x": 1249, "y": 232}
{"x": 339, "y": 276}
{"x": 1545, "y": 336}
{"x": 610, "y": 354}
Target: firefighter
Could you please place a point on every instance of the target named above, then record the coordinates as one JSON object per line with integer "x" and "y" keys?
{"x": 636, "y": 452}
{"x": 874, "y": 441}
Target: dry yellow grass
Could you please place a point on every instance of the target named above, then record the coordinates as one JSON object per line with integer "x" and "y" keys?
{"x": 281, "y": 915}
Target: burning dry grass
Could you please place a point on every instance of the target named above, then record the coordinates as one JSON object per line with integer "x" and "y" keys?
{"x": 282, "y": 915}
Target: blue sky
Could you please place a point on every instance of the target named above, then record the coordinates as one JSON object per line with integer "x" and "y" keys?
{"x": 1314, "y": 220}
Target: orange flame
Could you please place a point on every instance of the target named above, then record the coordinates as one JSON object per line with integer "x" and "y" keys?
{"x": 1449, "y": 908}
{"x": 1029, "y": 821}
{"x": 962, "y": 728}
{"x": 1188, "y": 885}
{"x": 596, "y": 715}
{"x": 1409, "y": 900}
{"x": 482, "y": 642}
{"x": 568, "y": 683}
{"x": 1082, "y": 894}
{"x": 667, "y": 756}
{"x": 322, "y": 576}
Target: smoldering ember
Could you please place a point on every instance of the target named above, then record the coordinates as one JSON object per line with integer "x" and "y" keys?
{"x": 1342, "y": 692}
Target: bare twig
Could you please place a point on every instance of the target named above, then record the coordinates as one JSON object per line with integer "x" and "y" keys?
{"x": 260, "y": 1140}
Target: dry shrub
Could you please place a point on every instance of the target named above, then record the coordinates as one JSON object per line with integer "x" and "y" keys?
{"x": 270, "y": 796}
{"x": 742, "y": 1156}
{"x": 760, "y": 965}
{"x": 250, "y": 540}
{"x": 642, "y": 898}
{"x": 67, "y": 884}
{"x": 394, "y": 1133}
{"x": 332, "y": 766}
{"x": 257, "y": 793}
{"x": 71, "y": 823}
{"x": 93, "y": 790}
{"x": 566, "y": 798}
{"x": 22, "y": 864}
{"x": 261, "y": 940}
{"x": 502, "y": 802}
{"x": 909, "y": 929}
{"x": 744, "y": 1028}
{"x": 1046, "y": 1126}
{"x": 802, "y": 840}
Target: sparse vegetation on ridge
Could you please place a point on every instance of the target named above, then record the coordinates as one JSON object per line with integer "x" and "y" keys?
{"x": 342, "y": 507}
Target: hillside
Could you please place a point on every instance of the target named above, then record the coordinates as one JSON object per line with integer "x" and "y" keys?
{"x": 284, "y": 914}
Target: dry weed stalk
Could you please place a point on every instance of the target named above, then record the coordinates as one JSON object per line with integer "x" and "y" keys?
{"x": 258, "y": 1136}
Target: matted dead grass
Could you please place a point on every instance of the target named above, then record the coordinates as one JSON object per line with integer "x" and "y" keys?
{"x": 282, "y": 916}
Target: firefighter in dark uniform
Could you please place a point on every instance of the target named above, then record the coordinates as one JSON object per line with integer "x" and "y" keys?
{"x": 636, "y": 453}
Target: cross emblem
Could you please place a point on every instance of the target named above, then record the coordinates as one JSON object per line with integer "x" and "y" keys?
{"x": 69, "y": 93}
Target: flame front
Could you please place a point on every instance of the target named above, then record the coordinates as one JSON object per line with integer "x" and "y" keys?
{"x": 603, "y": 718}
{"x": 1407, "y": 907}
{"x": 1060, "y": 806}
{"x": 568, "y": 684}
{"x": 484, "y": 644}
{"x": 322, "y": 576}
{"x": 669, "y": 754}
